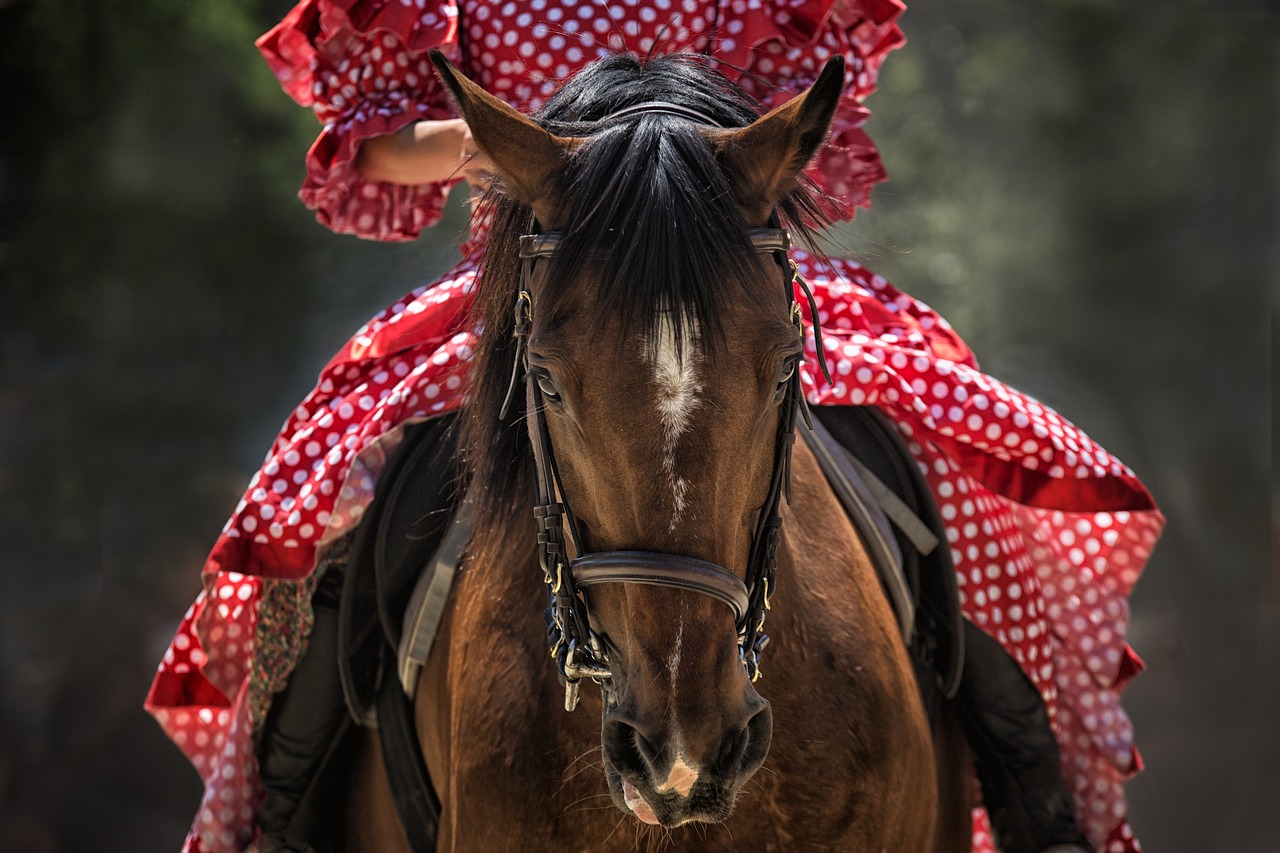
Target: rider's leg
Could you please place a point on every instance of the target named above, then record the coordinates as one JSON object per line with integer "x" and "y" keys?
{"x": 302, "y": 725}
{"x": 402, "y": 529}
{"x": 1015, "y": 751}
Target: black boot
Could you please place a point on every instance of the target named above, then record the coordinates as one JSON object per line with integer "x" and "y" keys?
{"x": 1015, "y": 751}
{"x": 302, "y": 728}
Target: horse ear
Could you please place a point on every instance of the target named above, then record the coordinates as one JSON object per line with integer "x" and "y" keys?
{"x": 764, "y": 160}
{"x": 527, "y": 157}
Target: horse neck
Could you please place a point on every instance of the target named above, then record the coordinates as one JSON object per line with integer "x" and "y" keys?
{"x": 828, "y": 599}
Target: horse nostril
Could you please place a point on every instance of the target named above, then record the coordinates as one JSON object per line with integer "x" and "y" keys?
{"x": 755, "y": 742}
{"x": 733, "y": 748}
{"x": 740, "y": 753}
{"x": 646, "y": 749}
{"x": 627, "y": 748}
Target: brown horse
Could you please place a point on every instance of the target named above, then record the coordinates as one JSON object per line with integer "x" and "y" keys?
{"x": 660, "y": 346}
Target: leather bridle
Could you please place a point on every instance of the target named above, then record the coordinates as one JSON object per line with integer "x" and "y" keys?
{"x": 578, "y": 651}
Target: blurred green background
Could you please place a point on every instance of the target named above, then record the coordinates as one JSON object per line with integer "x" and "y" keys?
{"x": 1088, "y": 190}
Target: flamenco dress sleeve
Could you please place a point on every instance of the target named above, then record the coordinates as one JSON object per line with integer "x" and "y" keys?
{"x": 776, "y": 49}
{"x": 362, "y": 65}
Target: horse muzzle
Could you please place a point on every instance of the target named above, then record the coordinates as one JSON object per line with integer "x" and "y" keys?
{"x": 665, "y": 776}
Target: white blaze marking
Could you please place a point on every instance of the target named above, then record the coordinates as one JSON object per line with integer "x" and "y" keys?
{"x": 680, "y": 779}
{"x": 674, "y": 372}
{"x": 673, "y": 662}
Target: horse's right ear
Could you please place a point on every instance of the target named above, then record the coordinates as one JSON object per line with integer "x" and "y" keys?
{"x": 527, "y": 157}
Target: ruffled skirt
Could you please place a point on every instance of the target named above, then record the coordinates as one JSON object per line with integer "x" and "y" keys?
{"x": 1048, "y": 531}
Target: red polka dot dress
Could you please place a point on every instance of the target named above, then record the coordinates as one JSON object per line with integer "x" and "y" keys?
{"x": 1048, "y": 531}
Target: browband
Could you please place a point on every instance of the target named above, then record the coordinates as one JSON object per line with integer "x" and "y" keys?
{"x": 663, "y": 108}
{"x": 544, "y": 245}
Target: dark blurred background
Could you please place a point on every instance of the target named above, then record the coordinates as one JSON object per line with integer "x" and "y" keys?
{"x": 1088, "y": 189}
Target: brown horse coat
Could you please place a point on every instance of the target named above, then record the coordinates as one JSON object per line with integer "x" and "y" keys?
{"x": 850, "y": 764}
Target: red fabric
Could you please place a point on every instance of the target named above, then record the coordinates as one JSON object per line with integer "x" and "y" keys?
{"x": 362, "y": 66}
{"x": 1048, "y": 531}
{"x": 789, "y": 41}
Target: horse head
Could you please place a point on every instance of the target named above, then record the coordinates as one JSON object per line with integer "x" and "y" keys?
{"x": 661, "y": 346}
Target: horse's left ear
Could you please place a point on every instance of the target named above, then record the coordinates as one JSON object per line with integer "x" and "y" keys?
{"x": 764, "y": 160}
{"x": 527, "y": 157}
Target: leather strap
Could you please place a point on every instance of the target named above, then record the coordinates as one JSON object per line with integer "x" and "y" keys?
{"x": 910, "y": 524}
{"x": 662, "y": 108}
{"x": 647, "y": 567}
{"x": 770, "y": 239}
{"x": 545, "y": 244}
{"x": 426, "y": 605}
{"x": 411, "y": 789}
{"x": 872, "y": 525}
{"x": 569, "y": 632}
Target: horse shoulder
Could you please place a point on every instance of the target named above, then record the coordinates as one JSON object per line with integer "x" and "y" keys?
{"x": 840, "y": 668}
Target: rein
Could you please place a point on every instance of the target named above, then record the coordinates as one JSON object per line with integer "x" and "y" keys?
{"x": 578, "y": 651}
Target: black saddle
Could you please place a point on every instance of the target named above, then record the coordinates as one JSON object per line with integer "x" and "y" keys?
{"x": 400, "y": 532}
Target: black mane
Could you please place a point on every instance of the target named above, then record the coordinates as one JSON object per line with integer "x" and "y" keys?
{"x": 650, "y": 214}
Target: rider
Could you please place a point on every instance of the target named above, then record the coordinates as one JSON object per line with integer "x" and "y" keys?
{"x": 1047, "y": 531}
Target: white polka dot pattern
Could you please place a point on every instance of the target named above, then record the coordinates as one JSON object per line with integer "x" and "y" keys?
{"x": 788, "y": 42}
{"x": 1048, "y": 531}
{"x": 1049, "y": 583}
{"x": 364, "y": 68}
{"x": 362, "y": 65}
{"x": 190, "y": 702}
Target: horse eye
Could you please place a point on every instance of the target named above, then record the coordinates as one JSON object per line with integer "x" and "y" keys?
{"x": 788, "y": 370}
{"x": 548, "y": 388}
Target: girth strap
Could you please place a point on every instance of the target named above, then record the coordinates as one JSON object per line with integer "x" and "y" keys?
{"x": 412, "y": 793}
{"x": 426, "y": 604}
{"x": 646, "y": 567}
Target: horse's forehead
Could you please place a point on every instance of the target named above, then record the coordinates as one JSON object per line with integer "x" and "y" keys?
{"x": 668, "y": 352}
{"x": 587, "y": 316}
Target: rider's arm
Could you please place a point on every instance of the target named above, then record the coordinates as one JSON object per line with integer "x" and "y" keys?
{"x": 424, "y": 152}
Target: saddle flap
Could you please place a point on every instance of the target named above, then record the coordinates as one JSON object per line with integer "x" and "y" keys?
{"x": 398, "y": 537}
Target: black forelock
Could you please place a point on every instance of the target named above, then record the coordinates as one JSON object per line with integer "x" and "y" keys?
{"x": 649, "y": 214}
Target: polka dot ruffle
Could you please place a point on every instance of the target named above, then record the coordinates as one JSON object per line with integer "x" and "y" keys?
{"x": 408, "y": 363}
{"x": 362, "y": 65}
{"x": 790, "y": 41}
{"x": 190, "y": 700}
{"x": 1048, "y": 531}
